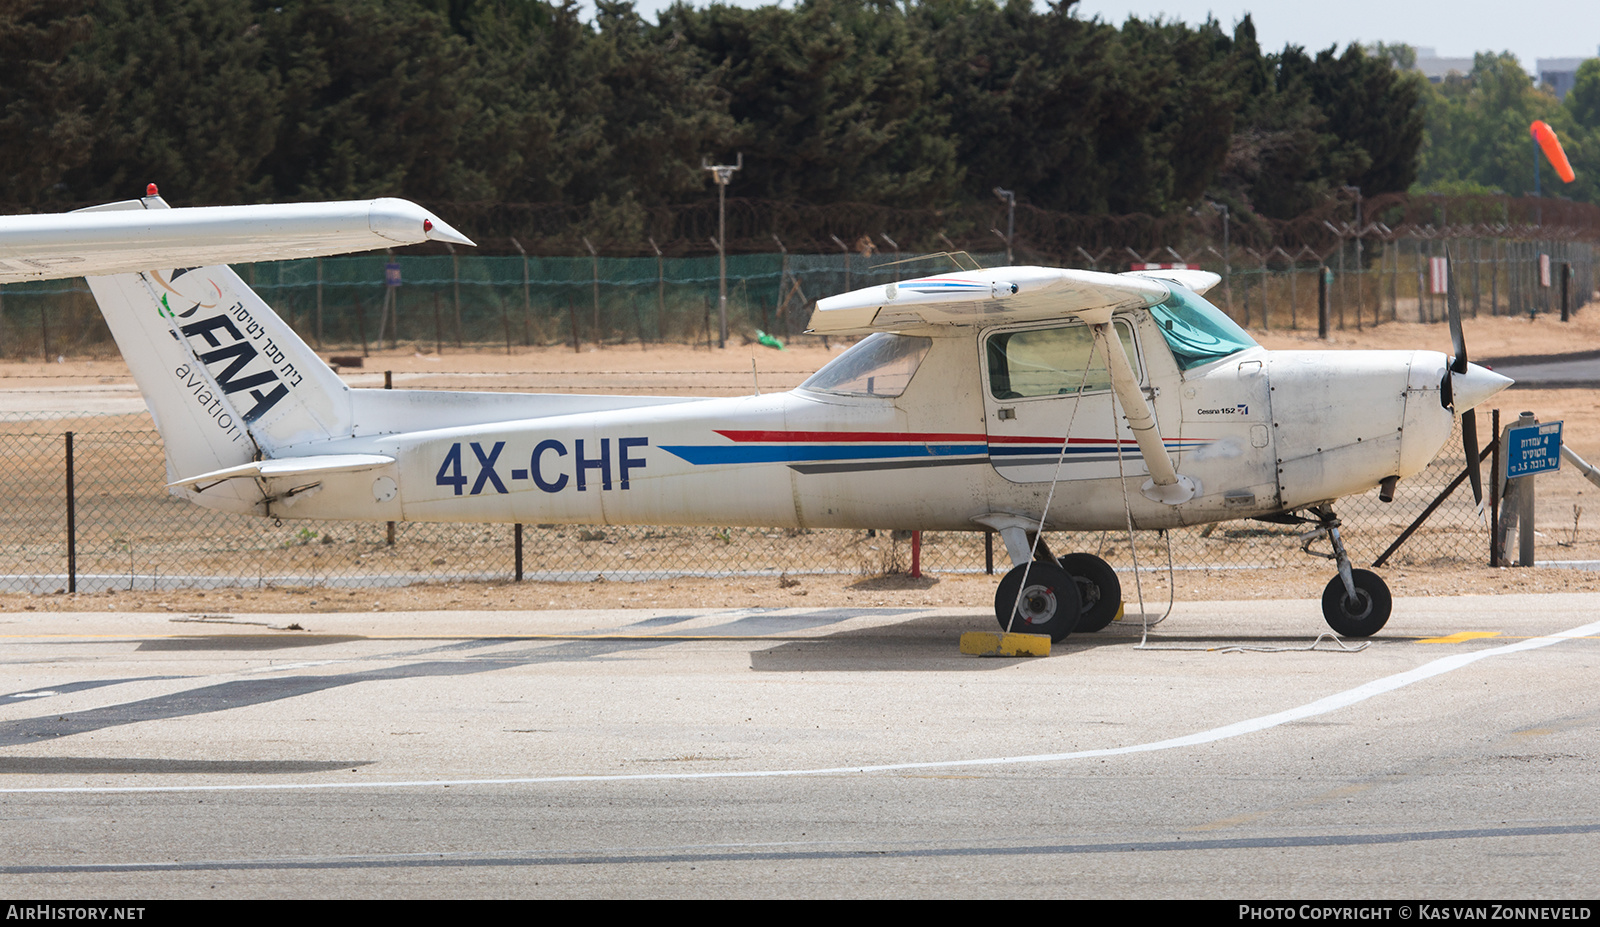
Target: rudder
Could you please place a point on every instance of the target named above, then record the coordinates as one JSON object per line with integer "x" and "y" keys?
{"x": 226, "y": 380}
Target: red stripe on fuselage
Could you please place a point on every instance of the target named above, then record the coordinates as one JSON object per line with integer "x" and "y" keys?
{"x": 1009, "y": 439}
{"x": 876, "y": 437}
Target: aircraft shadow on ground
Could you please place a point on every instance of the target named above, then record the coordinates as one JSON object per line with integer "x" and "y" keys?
{"x": 932, "y": 644}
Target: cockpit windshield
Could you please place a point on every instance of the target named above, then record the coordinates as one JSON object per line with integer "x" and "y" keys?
{"x": 880, "y": 365}
{"x": 1196, "y": 331}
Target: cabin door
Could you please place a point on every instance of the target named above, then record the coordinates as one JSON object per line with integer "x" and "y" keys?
{"x": 1046, "y": 383}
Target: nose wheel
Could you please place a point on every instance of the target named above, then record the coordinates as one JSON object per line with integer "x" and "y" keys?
{"x": 1356, "y": 603}
{"x": 1361, "y": 614}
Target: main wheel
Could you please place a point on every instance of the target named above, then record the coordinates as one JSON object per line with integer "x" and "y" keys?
{"x": 1099, "y": 590}
{"x": 1048, "y": 604}
{"x": 1363, "y": 616}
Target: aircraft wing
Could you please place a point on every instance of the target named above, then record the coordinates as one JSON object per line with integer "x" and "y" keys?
{"x": 986, "y": 297}
{"x": 144, "y": 234}
{"x": 1198, "y": 280}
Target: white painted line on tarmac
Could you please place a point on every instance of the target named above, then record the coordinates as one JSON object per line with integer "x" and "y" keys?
{"x": 1321, "y": 706}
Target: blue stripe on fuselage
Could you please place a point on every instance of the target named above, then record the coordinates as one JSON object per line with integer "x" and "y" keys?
{"x": 701, "y": 455}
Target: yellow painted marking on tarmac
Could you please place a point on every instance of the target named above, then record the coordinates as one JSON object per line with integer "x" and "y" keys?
{"x": 1459, "y": 637}
{"x": 989, "y": 644}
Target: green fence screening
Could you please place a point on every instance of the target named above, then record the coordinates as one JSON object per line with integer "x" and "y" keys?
{"x": 447, "y": 300}
{"x": 469, "y": 299}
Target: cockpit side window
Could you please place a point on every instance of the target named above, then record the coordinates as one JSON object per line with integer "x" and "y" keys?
{"x": 1051, "y": 361}
{"x": 1196, "y": 331}
{"x": 880, "y": 365}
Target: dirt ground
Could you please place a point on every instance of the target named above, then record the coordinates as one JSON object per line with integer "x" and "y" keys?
{"x": 741, "y": 366}
{"x": 826, "y": 591}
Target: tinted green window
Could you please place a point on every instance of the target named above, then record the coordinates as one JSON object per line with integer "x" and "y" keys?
{"x": 1196, "y": 331}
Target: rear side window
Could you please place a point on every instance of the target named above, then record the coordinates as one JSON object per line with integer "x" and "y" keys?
{"x": 1051, "y": 361}
{"x": 880, "y": 365}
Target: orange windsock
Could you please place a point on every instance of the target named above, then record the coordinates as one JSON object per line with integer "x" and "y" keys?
{"x": 1546, "y": 137}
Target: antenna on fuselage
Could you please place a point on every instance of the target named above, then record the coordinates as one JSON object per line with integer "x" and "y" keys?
{"x": 960, "y": 259}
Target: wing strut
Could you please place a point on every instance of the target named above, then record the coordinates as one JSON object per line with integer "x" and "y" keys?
{"x": 1165, "y": 483}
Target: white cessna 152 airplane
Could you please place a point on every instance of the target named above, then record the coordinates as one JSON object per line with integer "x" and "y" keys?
{"x": 1018, "y": 399}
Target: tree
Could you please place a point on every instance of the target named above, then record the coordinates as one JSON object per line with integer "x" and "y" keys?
{"x": 1477, "y": 127}
{"x": 180, "y": 97}
{"x": 833, "y": 101}
{"x": 44, "y": 130}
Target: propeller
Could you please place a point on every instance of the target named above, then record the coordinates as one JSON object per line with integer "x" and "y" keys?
{"x": 1458, "y": 368}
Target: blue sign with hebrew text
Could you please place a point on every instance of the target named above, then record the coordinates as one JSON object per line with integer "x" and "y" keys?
{"x": 1533, "y": 449}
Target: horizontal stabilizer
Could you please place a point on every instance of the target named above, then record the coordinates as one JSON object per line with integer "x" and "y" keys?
{"x": 986, "y": 297}
{"x": 292, "y": 467}
{"x": 140, "y": 235}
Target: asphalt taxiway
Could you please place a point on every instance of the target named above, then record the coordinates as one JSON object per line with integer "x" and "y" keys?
{"x": 800, "y": 753}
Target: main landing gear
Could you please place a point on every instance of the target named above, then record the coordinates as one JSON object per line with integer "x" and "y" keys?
{"x": 1356, "y": 603}
{"x": 1078, "y": 592}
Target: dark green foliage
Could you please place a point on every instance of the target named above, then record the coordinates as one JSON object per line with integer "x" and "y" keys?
{"x": 44, "y": 126}
{"x": 833, "y": 101}
{"x": 181, "y": 93}
{"x": 1478, "y": 128}
{"x": 929, "y": 104}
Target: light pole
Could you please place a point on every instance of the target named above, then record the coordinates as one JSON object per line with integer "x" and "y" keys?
{"x": 721, "y": 174}
{"x": 1009, "y": 197}
{"x": 1227, "y": 277}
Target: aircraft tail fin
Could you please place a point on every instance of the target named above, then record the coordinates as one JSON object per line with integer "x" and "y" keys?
{"x": 226, "y": 380}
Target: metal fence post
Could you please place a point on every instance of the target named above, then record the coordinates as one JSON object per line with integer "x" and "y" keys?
{"x": 1494, "y": 493}
{"x": 455, "y": 284}
{"x": 1518, "y": 502}
{"x": 72, "y": 523}
{"x": 319, "y": 303}
{"x": 1323, "y": 275}
{"x": 388, "y": 383}
{"x": 527, "y": 297}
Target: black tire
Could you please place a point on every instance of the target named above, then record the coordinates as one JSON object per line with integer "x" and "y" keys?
{"x": 1367, "y": 614}
{"x": 1099, "y": 590}
{"x": 1049, "y": 604}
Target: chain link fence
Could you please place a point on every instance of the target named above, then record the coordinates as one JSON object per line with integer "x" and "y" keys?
{"x": 121, "y": 529}
{"x": 130, "y": 533}
{"x": 451, "y": 302}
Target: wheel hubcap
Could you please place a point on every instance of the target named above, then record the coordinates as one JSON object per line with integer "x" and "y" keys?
{"x": 1038, "y": 604}
{"x": 1358, "y": 607}
{"x": 1088, "y": 593}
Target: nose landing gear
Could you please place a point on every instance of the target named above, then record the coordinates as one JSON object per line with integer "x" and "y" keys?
{"x": 1356, "y": 603}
